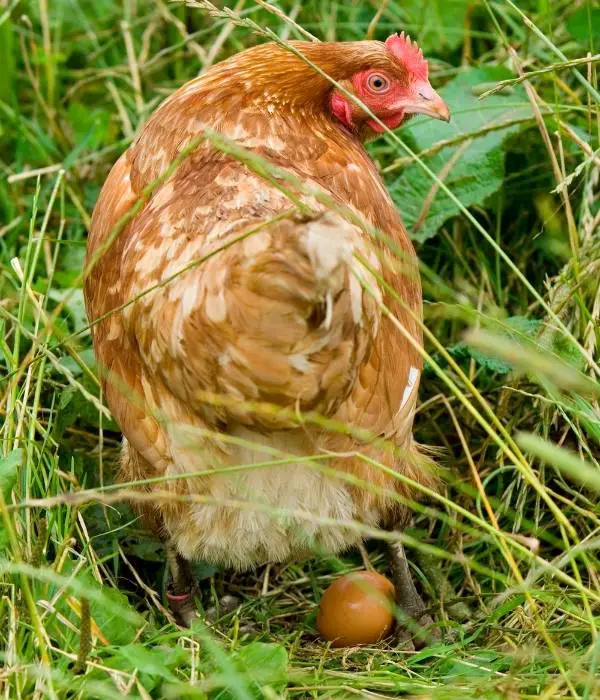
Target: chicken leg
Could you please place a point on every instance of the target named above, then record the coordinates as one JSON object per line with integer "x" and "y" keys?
{"x": 414, "y": 623}
{"x": 183, "y": 588}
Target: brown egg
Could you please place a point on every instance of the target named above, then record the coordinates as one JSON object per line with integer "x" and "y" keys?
{"x": 357, "y": 609}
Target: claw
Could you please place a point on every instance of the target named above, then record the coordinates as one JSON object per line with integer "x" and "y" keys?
{"x": 419, "y": 632}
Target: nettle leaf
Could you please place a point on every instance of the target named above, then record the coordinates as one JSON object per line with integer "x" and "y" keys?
{"x": 521, "y": 326}
{"x": 462, "y": 351}
{"x": 473, "y": 168}
{"x": 516, "y": 327}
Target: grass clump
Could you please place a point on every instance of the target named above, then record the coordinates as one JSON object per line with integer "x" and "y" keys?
{"x": 505, "y": 212}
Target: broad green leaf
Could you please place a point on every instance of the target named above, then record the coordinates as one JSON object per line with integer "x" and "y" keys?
{"x": 473, "y": 167}
{"x": 109, "y": 608}
{"x": 74, "y": 304}
{"x": 156, "y": 662}
{"x": 113, "y": 626}
{"x": 440, "y": 24}
{"x": 265, "y": 663}
{"x": 71, "y": 263}
{"x": 91, "y": 129}
{"x": 584, "y": 24}
{"x": 153, "y": 665}
{"x": 69, "y": 363}
{"x": 74, "y": 407}
{"x": 230, "y": 682}
{"x": 9, "y": 466}
{"x": 248, "y": 671}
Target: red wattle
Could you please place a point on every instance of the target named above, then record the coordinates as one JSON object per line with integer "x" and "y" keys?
{"x": 341, "y": 109}
{"x": 392, "y": 122}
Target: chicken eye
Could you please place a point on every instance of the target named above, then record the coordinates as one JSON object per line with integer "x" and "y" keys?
{"x": 378, "y": 83}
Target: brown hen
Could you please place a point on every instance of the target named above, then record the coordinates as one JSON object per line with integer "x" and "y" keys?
{"x": 232, "y": 302}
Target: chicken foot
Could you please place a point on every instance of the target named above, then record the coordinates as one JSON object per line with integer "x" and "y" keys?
{"x": 183, "y": 588}
{"x": 414, "y": 626}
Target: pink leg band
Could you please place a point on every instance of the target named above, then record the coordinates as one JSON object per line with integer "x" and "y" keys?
{"x": 178, "y": 598}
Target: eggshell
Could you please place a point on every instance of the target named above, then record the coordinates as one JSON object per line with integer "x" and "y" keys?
{"x": 357, "y": 609}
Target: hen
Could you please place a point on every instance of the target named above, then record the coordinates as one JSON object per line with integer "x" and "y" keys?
{"x": 227, "y": 302}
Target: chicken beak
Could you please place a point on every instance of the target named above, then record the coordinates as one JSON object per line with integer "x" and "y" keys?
{"x": 436, "y": 107}
{"x": 427, "y": 101}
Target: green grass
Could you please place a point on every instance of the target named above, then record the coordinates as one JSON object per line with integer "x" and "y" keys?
{"x": 509, "y": 242}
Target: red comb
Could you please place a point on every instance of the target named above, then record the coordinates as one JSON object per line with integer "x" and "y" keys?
{"x": 409, "y": 53}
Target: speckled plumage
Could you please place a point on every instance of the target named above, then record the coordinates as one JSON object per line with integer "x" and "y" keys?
{"x": 276, "y": 318}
